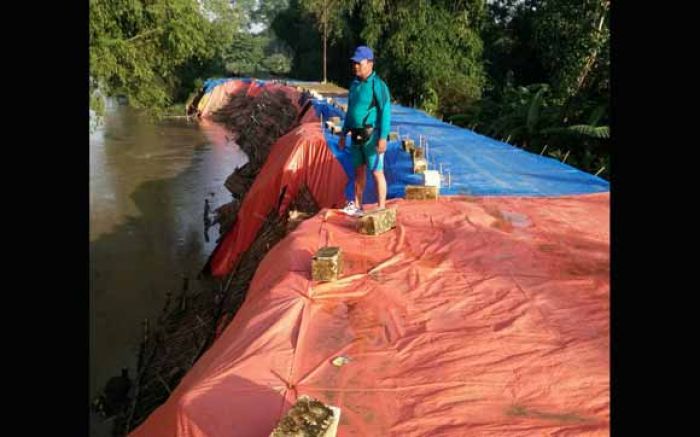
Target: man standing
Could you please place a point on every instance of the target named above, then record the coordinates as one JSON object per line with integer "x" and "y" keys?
{"x": 368, "y": 120}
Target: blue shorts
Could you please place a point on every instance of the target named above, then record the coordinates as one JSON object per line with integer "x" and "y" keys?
{"x": 366, "y": 154}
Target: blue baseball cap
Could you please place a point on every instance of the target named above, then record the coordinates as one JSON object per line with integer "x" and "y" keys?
{"x": 362, "y": 52}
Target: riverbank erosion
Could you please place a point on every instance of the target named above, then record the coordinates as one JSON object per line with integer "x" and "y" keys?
{"x": 476, "y": 314}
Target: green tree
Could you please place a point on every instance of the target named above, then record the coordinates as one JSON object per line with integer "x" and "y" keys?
{"x": 510, "y": 53}
{"x": 149, "y": 51}
{"x": 267, "y": 10}
{"x": 245, "y": 55}
{"x": 548, "y": 84}
{"x": 277, "y": 63}
{"x": 297, "y": 30}
{"x": 571, "y": 36}
{"x": 329, "y": 17}
{"x": 429, "y": 52}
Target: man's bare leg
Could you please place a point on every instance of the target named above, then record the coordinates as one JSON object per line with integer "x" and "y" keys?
{"x": 359, "y": 185}
{"x": 381, "y": 187}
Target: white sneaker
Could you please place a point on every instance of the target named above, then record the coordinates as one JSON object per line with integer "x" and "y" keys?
{"x": 352, "y": 210}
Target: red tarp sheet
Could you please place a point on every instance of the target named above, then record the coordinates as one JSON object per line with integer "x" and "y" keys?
{"x": 219, "y": 95}
{"x": 298, "y": 158}
{"x": 475, "y": 316}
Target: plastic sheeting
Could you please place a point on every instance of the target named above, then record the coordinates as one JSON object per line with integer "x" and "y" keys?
{"x": 213, "y": 83}
{"x": 298, "y": 158}
{"x": 219, "y": 95}
{"x": 217, "y": 92}
{"x": 478, "y": 165}
{"x": 491, "y": 167}
{"x": 480, "y": 316}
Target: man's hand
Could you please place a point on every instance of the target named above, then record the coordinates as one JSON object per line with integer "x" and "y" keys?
{"x": 341, "y": 143}
{"x": 381, "y": 145}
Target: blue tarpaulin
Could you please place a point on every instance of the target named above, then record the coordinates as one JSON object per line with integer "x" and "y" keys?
{"x": 478, "y": 165}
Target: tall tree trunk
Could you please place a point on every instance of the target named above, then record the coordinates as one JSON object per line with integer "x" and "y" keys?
{"x": 594, "y": 54}
{"x": 325, "y": 37}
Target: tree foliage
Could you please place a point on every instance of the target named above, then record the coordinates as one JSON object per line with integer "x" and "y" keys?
{"x": 572, "y": 36}
{"x": 548, "y": 82}
{"x": 429, "y": 52}
{"x": 245, "y": 55}
{"x": 534, "y": 72}
{"x": 151, "y": 50}
{"x": 330, "y": 17}
{"x": 296, "y": 28}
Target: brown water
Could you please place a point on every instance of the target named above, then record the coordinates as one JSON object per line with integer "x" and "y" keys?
{"x": 148, "y": 184}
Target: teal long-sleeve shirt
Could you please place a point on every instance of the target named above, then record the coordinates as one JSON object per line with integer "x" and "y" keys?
{"x": 360, "y": 105}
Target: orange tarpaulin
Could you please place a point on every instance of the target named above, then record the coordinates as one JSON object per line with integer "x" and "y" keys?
{"x": 219, "y": 95}
{"x": 298, "y": 158}
{"x": 475, "y": 316}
